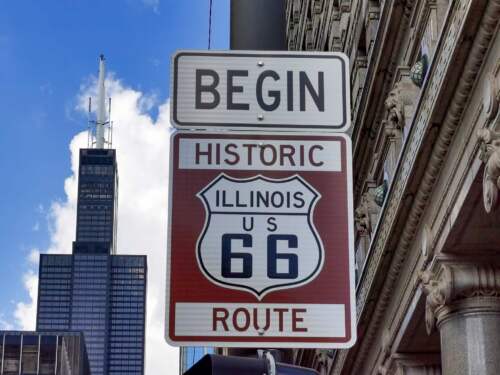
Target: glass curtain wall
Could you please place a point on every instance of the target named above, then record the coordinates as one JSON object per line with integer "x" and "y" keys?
{"x": 128, "y": 298}
{"x": 90, "y": 307}
{"x": 54, "y": 299}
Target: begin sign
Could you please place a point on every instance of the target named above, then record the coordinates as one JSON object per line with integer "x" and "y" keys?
{"x": 260, "y": 240}
{"x": 260, "y": 90}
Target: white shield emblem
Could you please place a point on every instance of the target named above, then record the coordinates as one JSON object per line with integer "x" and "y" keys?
{"x": 259, "y": 235}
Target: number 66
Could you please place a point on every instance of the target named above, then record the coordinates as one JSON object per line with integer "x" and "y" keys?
{"x": 272, "y": 256}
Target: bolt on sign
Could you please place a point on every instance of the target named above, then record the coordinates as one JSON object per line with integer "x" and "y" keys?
{"x": 260, "y": 240}
{"x": 260, "y": 90}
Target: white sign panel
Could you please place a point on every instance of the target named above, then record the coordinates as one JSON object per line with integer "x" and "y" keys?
{"x": 261, "y": 205}
{"x": 235, "y": 154}
{"x": 240, "y": 320}
{"x": 260, "y": 90}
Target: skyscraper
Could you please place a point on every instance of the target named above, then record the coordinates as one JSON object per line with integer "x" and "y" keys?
{"x": 94, "y": 290}
{"x": 97, "y": 202}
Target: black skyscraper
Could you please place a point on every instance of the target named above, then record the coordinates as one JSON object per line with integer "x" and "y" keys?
{"x": 94, "y": 290}
{"x": 97, "y": 202}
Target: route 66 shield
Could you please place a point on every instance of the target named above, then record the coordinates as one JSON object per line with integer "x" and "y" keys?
{"x": 259, "y": 235}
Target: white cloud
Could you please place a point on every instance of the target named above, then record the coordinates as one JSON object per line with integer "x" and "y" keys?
{"x": 34, "y": 256}
{"x": 25, "y": 313}
{"x": 142, "y": 145}
{"x": 4, "y": 324}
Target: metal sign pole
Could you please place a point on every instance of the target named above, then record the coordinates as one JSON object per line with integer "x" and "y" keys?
{"x": 258, "y": 25}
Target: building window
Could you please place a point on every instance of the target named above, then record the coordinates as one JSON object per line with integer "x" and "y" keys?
{"x": 362, "y": 245}
{"x": 48, "y": 354}
{"x": 12, "y": 354}
{"x": 97, "y": 170}
{"x": 30, "y": 355}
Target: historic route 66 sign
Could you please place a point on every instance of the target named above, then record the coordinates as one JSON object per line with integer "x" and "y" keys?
{"x": 260, "y": 248}
{"x": 251, "y": 239}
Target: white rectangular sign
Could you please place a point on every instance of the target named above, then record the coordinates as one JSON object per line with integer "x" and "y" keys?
{"x": 234, "y": 154}
{"x": 260, "y": 90}
{"x": 251, "y": 320}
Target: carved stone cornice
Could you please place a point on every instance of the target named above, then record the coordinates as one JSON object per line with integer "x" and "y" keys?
{"x": 449, "y": 291}
{"x": 490, "y": 156}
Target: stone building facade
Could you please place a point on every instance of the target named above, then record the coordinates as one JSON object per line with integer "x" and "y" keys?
{"x": 425, "y": 86}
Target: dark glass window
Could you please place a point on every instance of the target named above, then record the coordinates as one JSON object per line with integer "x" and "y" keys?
{"x": 96, "y": 198}
{"x": 48, "y": 354}
{"x": 12, "y": 354}
{"x": 30, "y": 355}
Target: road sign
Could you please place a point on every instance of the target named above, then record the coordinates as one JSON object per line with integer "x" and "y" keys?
{"x": 260, "y": 90}
{"x": 260, "y": 240}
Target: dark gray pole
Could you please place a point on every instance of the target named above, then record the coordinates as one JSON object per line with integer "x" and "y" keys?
{"x": 258, "y": 25}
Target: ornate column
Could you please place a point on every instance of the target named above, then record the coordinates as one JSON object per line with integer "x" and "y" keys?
{"x": 463, "y": 300}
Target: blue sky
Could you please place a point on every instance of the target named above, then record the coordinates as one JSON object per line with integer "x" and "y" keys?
{"x": 48, "y": 52}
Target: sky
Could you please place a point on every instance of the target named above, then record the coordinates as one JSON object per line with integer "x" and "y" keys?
{"x": 48, "y": 66}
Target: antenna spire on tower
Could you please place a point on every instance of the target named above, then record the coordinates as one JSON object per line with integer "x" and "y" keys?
{"x": 103, "y": 135}
{"x": 101, "y": 105}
